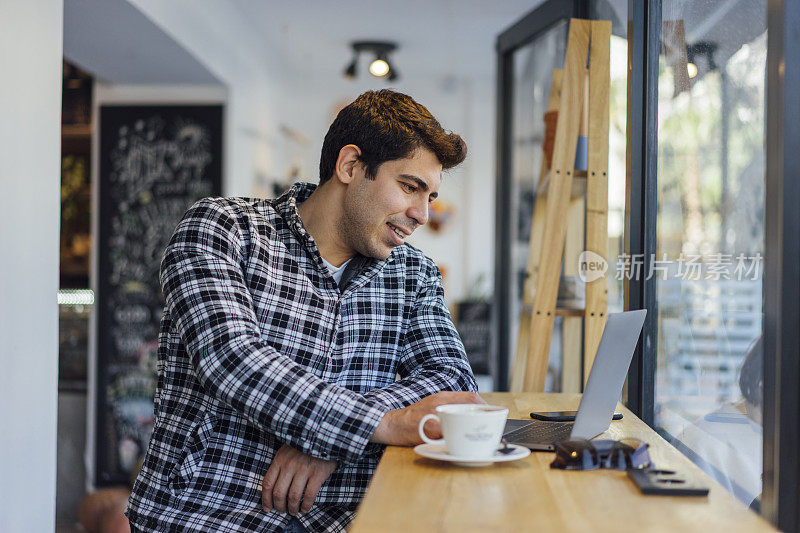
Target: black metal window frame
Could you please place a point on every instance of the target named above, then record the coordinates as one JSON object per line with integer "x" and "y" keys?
{"x": 781, "y": 406}
{"x": 644, "y": 31}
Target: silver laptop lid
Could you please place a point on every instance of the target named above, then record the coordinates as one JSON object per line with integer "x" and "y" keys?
{"x": 604, "y": 386}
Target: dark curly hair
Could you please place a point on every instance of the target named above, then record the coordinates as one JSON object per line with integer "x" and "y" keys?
{"x": 387, "y": 125}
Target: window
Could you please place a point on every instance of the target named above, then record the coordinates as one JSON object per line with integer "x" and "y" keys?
{"x": 708, "y": 267}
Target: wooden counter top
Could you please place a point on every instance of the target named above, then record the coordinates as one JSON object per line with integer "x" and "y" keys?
{"x": 412, "y": 494}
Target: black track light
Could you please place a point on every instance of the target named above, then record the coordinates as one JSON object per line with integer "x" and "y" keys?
{"x": 350, "y": 71}
{"x": 393, "y": 75}
{"x": 380, "y": 66}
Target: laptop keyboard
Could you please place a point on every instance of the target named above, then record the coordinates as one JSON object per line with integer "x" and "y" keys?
{"x": 541, "y": 432}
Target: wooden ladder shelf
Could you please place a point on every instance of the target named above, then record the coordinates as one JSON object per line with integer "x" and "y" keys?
{"x": 566, "y": 199}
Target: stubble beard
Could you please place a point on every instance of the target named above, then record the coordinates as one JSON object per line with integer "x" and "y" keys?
{"x": 356, "y": 231}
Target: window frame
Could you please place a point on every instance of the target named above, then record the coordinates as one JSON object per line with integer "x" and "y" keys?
{"x": 641, "y": 201}
{"x": 781, "y": 406}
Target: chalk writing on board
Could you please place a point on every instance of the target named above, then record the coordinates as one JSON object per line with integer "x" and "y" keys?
{"x": 155, "y": 162}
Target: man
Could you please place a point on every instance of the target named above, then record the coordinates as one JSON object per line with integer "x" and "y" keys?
{"x": 286, "y": 324}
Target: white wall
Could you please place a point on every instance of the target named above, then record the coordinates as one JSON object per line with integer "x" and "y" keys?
{"x": 30, "y": 145}
{"x": 214, "y": 33}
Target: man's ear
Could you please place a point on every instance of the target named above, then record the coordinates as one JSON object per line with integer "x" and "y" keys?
{"x": 347, "y": 164}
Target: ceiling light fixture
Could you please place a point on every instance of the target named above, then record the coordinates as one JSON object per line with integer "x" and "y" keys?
{"x": 700, "y": 50}
{"x": 380, "y": 66}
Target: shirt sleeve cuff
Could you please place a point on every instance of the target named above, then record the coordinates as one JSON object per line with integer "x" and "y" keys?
{"x": 347, "y": 426}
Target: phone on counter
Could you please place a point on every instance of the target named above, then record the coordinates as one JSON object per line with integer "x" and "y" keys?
{"x": 563, "y": 416}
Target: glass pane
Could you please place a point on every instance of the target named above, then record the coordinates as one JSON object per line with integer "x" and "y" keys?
{"x": 710, "y": 231}
{"x": 533, "y": 76}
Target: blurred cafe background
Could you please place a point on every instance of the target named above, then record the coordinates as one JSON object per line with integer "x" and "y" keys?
{"x": 119, "y": 114}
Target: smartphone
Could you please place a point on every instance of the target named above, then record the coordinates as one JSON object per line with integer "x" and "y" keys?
{"x": 563, "y": 416}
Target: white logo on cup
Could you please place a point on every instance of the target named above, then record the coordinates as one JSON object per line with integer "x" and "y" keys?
{"x": 479, "y": 434}
{"x": 591, "y": 266}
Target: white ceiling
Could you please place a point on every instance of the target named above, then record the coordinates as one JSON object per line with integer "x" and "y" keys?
{"x": 115, "y": 42}
{"x": 435, "y": 37}
{"x": 308, "y": 40}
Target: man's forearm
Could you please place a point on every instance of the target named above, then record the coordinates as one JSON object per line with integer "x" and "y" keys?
{"x": 397, "y": 428}
{"x": 400, "y": 427}
{"x": 383, "y": 433}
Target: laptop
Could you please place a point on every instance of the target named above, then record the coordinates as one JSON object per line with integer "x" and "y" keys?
{"x": 603, "y": 389}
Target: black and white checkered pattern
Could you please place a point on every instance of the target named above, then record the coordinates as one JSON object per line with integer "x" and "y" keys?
{"x": 259, "y": 347}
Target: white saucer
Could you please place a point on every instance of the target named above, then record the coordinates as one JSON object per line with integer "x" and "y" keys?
{"x": 439, "y": 452}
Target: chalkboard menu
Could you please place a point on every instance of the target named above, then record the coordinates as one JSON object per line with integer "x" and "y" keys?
{"x": 155, "y": 162}
{"x": 473, "y": 322}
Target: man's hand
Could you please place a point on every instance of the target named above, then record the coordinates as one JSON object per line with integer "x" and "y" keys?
{"x": 400, "y": 426}
{"x": 293, "y": 476}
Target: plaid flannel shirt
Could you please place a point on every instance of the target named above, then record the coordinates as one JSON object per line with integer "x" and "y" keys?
{"x": 259, "y": 347}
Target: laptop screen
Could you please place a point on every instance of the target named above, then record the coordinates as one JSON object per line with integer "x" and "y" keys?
{"x": 604, "y": 386}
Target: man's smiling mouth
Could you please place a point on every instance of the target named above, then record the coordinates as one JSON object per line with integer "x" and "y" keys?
{"x": 400, "y": 233}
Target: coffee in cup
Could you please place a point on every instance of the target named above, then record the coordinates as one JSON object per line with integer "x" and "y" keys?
{"x": 470, "y": 430}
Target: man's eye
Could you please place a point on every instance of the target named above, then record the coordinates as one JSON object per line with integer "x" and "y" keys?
{"x": 431, "y": 199}
{"x": 408, "y": 188}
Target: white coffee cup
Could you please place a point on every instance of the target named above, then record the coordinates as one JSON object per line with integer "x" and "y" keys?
{"x": 470, "y": 430}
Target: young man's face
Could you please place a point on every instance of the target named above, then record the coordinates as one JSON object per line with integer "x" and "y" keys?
{"x": 379, "y": 214}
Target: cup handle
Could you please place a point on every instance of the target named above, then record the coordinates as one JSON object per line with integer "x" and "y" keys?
{"x": 422, "y": 429}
